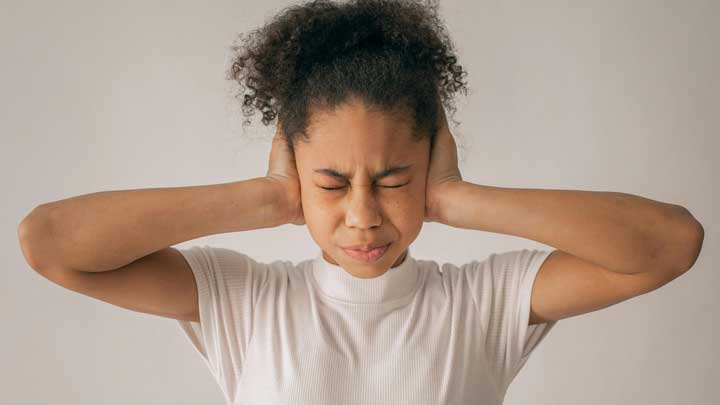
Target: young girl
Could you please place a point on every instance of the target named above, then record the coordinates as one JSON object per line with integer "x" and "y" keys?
{"x": 362, "y": 156}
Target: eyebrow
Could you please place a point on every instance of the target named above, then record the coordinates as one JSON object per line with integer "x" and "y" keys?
{"x": 384, "y": 173}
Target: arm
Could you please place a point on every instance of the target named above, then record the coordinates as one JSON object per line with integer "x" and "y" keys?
{"x": 104, "y": 231}
{"x": 621, "y": 232}
{"x": 608, "y": 231}
{"x": 610, "y": 246}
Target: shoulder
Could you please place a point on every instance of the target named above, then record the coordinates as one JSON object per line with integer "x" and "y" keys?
{"x": 446, "y": 277}
{"x": 217, "y": 255}
{"x": 234, "y": 264}
{"x": 498, "y": 262}
{"x": 495, "y": 270}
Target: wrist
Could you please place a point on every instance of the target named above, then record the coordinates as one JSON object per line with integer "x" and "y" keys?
{"x": 281, "y": 202}
{"x": 441, "y": 201}
{"x": 255, "y": 203}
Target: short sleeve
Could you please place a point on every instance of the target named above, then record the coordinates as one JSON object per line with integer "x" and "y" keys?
{"x": 503, "y": 284}
{"x": 227, "y": 283}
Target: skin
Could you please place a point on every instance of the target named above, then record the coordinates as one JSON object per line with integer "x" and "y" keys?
{"x": 358, "y": 141}
{"x": 602, "y": 251}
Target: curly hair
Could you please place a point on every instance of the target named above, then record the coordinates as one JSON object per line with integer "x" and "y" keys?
{"x": 394, "y": 55}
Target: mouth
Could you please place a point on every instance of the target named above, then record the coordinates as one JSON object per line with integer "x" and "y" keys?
{"x": 369, "y": 255}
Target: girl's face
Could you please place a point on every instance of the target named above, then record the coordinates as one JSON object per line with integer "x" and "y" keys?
{"x": 349, "y": 149}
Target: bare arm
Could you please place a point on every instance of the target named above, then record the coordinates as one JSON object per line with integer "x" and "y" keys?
{"x": 106, "y": 230}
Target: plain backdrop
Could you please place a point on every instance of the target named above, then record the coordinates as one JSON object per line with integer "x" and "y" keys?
{"x": 595, "y": 95}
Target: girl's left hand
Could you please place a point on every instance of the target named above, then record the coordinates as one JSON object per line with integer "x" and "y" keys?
{"x": 443, "y": 171}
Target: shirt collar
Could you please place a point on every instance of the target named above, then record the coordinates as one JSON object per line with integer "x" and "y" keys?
{"x": 396, "y": 282}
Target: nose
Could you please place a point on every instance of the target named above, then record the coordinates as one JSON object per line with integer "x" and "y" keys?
{"x": 363, "y": 210}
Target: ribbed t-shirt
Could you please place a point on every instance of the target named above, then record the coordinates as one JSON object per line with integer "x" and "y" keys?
{"x": 311, "y": 333}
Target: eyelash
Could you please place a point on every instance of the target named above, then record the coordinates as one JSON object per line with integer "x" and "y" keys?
{"x": 339, "y": 188}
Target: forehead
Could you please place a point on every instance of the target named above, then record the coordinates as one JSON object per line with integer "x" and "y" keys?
{"x": 354, "y": 134}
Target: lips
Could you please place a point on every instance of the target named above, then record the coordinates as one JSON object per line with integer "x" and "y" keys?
{"x": 367, "y": 256}
{"x": 365, "y": 247}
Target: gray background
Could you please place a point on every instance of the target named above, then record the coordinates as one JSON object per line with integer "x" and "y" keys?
{"x": 593, "y": 95}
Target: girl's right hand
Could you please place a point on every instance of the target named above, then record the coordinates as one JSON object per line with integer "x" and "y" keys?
{"x": 282, "y": 170}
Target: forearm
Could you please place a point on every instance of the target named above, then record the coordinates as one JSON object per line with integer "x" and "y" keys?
{"x": 106, "y": 230}
{"x": 621, "y": 232}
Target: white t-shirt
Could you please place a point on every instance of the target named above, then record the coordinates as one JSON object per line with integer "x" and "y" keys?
{"x": 311, "y": 333}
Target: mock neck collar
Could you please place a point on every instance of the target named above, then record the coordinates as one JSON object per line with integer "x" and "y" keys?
{"x": 396, "y": 282}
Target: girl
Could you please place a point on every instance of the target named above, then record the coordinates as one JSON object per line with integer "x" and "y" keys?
{"x": 363, "y": 156}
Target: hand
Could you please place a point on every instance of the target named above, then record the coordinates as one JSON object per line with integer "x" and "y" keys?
{"x": 443, "y": 171}
{"x": 282, "y": 170}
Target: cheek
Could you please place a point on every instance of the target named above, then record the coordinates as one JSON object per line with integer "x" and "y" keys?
{"x": 414, "y": 199}
{"x": 407, "y": 214}
{"x": 407, "y": 210}
{"x": 321, "y": 216}
{"x": 319, "y": 221}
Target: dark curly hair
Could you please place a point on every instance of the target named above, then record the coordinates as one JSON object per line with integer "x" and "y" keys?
{"x": 394, "y": 55}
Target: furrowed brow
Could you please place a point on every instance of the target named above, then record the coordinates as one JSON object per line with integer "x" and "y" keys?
{"x": 383, "y": 173}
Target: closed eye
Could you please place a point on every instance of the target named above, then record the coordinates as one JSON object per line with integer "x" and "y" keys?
{"x": 340, "y": 188}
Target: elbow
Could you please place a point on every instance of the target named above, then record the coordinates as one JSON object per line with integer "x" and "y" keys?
{"x": 696, "y": 242}
{"x": 30, "y": 232}
{"x": 691, "y": 240}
